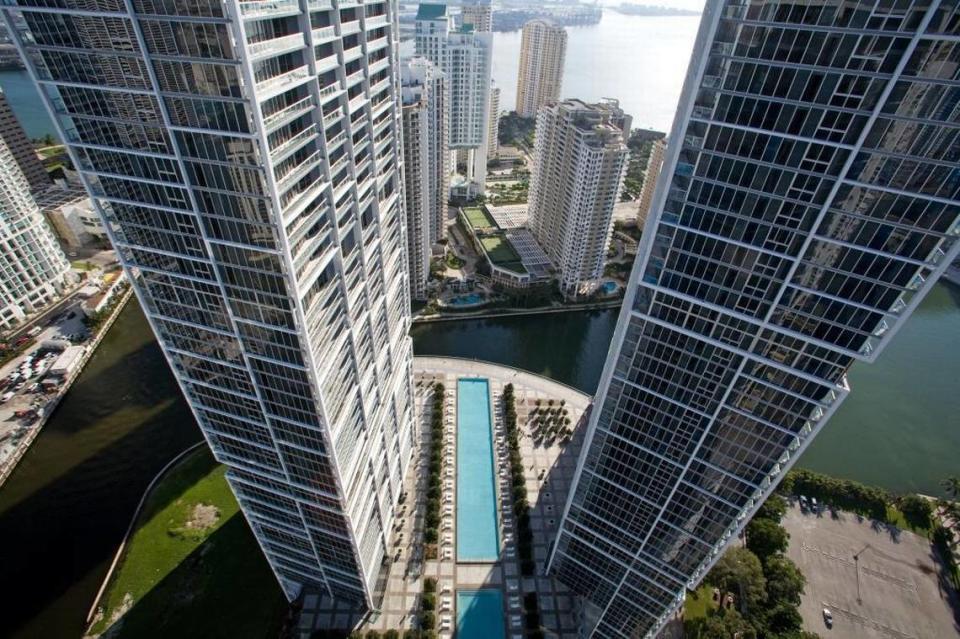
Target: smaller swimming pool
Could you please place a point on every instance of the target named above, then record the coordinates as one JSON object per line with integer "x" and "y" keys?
{"x": 480, "y": 614}
{"x": 466, "y": 300}
{"x": 609, "y": 287}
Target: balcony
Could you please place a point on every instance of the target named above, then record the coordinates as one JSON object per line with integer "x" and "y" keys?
{"x": 355, "y": 77}
{"x": 288, "y": 146}
{"x": 336, "y": 141}
{"x": 346, "y": 28}
{"x": 702, "y": 112}
{"x": 328, "y": 92}
{"x": 353, "y": 53}
{"x": 296, "y": 173}
{"x": 356, "y": 103}
{"x": 319, "y": 5}
{"x": 298, "y": 202}
{"x": 328, "y": 63}
{"x": 373, "y": 22}
{"x": 253, "y": 9}
{"x": 376, "y": 44}
{"x": 712, "y": 82}
{"x": 272, "y": 87}
{"x": 275, "y": 46}
{"x": 379, "y": 86}
{"x": 332, "y": 117}
{"x": 323, "y": 34}
{"x": 287, "y": 114}
{"x": 379, "y": 65}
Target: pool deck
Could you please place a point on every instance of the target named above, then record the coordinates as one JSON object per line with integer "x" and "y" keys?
{"x": 549, "y": 471}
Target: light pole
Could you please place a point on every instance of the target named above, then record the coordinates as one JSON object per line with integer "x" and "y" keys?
{"x": 856, "y": 562}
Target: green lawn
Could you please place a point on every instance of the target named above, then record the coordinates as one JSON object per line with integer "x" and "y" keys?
{"x": 479, "y": 219}
{"x": 180, "y": 580}
{"x": 698, "y": 603}
{"x": 502, "y": 253}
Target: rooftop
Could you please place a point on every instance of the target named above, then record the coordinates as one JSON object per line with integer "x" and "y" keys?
{"x": 431, "y": 11}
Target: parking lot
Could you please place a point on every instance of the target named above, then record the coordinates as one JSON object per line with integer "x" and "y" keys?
{"x": 892, "y": 591}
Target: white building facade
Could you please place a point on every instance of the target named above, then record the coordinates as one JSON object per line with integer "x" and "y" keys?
{"x": 424, "y": 117}
{"x": 33, "y": 270}
{"x": 579, "y": 163}
{"x": 543, "y": 52}
{"x": 245, "y": 159}
{"x": 808, "y": 202}
{"x": 465, "y": 56}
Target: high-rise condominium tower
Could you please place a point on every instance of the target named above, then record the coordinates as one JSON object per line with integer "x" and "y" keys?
{"x": 805, "y": 207}
{"x": 244, "y": 157}
{"x": 493, "y": 128}
{"x": 423, "y": 88}
{"x": 579, "y": 162}
{"x": 20, "y": 146}
{"x": 33, "y": 269}
{"x": 464, "y": 55}
{"x": 543, "y": 49}
{"x": 477, "y": 14}
{"x": 650, "y": 177}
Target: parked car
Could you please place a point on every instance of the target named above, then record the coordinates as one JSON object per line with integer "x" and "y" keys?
{"x": 828, "y": 618}
{"x": 6, "y": 397}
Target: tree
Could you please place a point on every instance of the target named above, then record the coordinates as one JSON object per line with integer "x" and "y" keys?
{"x": 916, "y": 510}
{"x": 725, "y": 625}
{"x": 784, "y": 618}
{"x": 766, "y": 537}
{"x": 785, "y": 582}
{"x": 774, "y": 508}
{"x": 740, "y": 573}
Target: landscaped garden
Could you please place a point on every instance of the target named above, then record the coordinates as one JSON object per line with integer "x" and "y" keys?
{"x": 191, "y": 562}
{"x": 518, "y": 482}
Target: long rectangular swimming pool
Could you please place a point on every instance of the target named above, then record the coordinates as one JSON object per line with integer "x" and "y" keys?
{"x": 480, "y": 614}
{"x": 477, "y": 537}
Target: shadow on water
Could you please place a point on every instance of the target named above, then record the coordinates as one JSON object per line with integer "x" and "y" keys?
{"x": 64, "y": 510}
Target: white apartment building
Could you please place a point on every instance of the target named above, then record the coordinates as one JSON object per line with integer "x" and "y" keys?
{"x": 464, "y": 55}
{"x": 493, "y": 128}
{"x": 424, "y": 118}
{"x": 543, "y": 51}
{"x": 245, "y": 159}
{"x": 477, "y": 14}
{"x": 650, "y": 177}
{"x": 33, "y": 269}
{"x": 579, "y": 162}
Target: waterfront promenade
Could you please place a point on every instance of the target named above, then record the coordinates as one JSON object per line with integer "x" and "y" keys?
{"x": 24, "y": 436}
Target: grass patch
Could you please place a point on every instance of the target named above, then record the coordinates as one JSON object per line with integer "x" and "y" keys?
{"x": 502, "y": 253}
{"x": 898, "y": 519}
{"x": 192, "y": 565}
{"x": 479, "y": 219}
{"x": 698, "y": 603}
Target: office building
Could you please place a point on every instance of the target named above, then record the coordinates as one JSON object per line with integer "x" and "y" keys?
{"x": 20, "y": 146}
{"x": 808, "y": 202}
{"x": 464, "y": 56}
{"x": 493, "y": 128}
{"x": 245, "y": 158}
{"x": 579, "y": 162}
{"x": 33, "y": 269}
{"x": 650, "y": 176}
{"x": 424, "y": 120}
{"x": 543, "y": 50}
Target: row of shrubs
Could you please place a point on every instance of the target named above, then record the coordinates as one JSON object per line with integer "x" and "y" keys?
{"x": 393, "y": 634}
{"x": 432, "y": 517}
{"x": 428, "y": 608}
{"x": 518, "y": 483}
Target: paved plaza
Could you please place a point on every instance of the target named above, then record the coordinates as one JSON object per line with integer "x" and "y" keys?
{"x": 548, "y": 470}
{"x": 895, "y": 594}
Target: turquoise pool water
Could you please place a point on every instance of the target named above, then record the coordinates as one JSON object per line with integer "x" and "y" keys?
{"x": 609, "y": 287}
{"x": 466, "y": 300}
{"x": 477, "y": 536}
{"x": 480, "y": 614}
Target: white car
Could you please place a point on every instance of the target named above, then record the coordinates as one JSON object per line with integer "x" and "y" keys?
{"x": 828, "y": 618}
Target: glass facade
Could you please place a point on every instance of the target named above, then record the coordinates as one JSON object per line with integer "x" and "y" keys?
{"x": 244, "y": 157}
{"x": 809, "y": 198}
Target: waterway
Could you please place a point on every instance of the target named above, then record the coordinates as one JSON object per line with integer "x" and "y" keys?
{"x": 22, "y": 95}
{"x": 64, "y": 509}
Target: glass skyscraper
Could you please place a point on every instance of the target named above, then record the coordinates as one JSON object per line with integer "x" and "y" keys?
{"x": 808, "y": 201}
{"x": 245, "y": 159}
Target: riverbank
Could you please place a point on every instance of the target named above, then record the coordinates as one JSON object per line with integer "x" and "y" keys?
{"x": 492, "y": 313}
{"x": 10, "y": 462}
{"x": 191, "y": 566}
